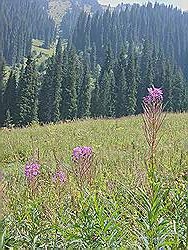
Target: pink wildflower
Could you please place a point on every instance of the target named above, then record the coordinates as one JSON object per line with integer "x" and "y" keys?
{"x": 32, "y": 170}
{"x": 59, "y": 176}
{"x": 81, "y": 153}
{"x": 155, "y": 95}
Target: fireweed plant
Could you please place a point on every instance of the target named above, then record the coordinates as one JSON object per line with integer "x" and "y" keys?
{"x": 59, "y": 177}
{"x": 153, "y": 118}
{"x": 155, "y": 226}
{"x": 32, "y": 170}
{"x": 84, "y": 170}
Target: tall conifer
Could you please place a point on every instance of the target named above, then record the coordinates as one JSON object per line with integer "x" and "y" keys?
{"x": 57, "y": 81}
{"x": 84, "y": 97}
{"x": 28, "y": 94}
{"x": 10, "y": 98}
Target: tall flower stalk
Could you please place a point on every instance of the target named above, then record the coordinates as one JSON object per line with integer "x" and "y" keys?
{"x": 83, "y": 159}
{"x": 32, "y": 171}
{"x": 152, "y": 225}
{"x": 153, "y": 117}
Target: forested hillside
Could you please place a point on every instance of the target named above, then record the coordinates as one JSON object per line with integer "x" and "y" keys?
{"x": 164, "y": 27}
{"x": 73, "y": 87}
{"x": 70, "y": 18}
{"x": 21, "y": 21}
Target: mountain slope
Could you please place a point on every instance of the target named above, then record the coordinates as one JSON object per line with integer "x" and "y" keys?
{"x": 57, "y": 8}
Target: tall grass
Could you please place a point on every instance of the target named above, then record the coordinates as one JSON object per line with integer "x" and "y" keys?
{"x": 118, "y": 209}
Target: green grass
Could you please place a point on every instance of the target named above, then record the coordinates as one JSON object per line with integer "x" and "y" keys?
{"x": 40, "y": 53}
{"x": 118, "y": 144}
{"x": 104, "y": 214}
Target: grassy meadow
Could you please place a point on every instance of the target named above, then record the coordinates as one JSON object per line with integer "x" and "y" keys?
{"x": 115, "y": 210}
{"x": 42, "y": 54}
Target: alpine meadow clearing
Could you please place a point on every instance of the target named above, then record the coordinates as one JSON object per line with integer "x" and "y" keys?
{"x": 118, "y": 208}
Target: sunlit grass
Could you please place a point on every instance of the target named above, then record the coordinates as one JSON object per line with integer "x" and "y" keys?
{"x": 101, "y": 215}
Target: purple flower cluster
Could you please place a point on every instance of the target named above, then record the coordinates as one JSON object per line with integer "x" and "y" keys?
{"x": 82, "y": 157}
{"x": 81, "y": 153}
{"x": 84, "y": 169}
{"x": 32, "y": 170}
{"x": 59, "y": 176}
{"x": 155, "y": 95}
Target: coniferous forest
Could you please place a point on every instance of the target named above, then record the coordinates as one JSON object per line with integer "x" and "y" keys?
{"x": 22, "y": 21}
{"x": 110, "y": 59}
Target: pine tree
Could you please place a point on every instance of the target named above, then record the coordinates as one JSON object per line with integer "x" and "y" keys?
{"x": 84, "y": 97}
{"x": 28, "y": 95}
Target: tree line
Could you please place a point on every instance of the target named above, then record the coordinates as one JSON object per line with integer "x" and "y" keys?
{"x": 163, "y": 26}
{"x": 69, "y": 87}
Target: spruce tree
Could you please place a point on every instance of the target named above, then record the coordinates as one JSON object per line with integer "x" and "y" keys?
{"x": 185, "y": 100}
{"x": 57, "y": 81}
{"x": 121, "y": 94}
{"x": 47, "y": 93}
{"x": 22, "y": 21}
{"x": 84, "y": 97}
{"x": 131, "y": 78}
{"x": 104, "y": 94}
{"x": 167, "y": 86}
{"x": 112, "y": 95}
{"x": 8, "y": 123}
{"x": 69, "y": 92}
{"x": 28, "y": 95}
{"x": 108, "y": 62}
{"x": 10, "y": 98}
{"x": 95, "y": 100}
{"x": 93, "y": 58}
{"x": 1, "y": 90}
{"x": 178, "y": 90}
{"x": 147, "y": 73}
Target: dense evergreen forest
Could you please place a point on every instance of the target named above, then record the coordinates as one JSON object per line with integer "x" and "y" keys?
{"x": 110, "y": 60}
{"x": 21, "y": 21}
{"x": 70, "y": 18}
{"x": 164, "y": 27}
